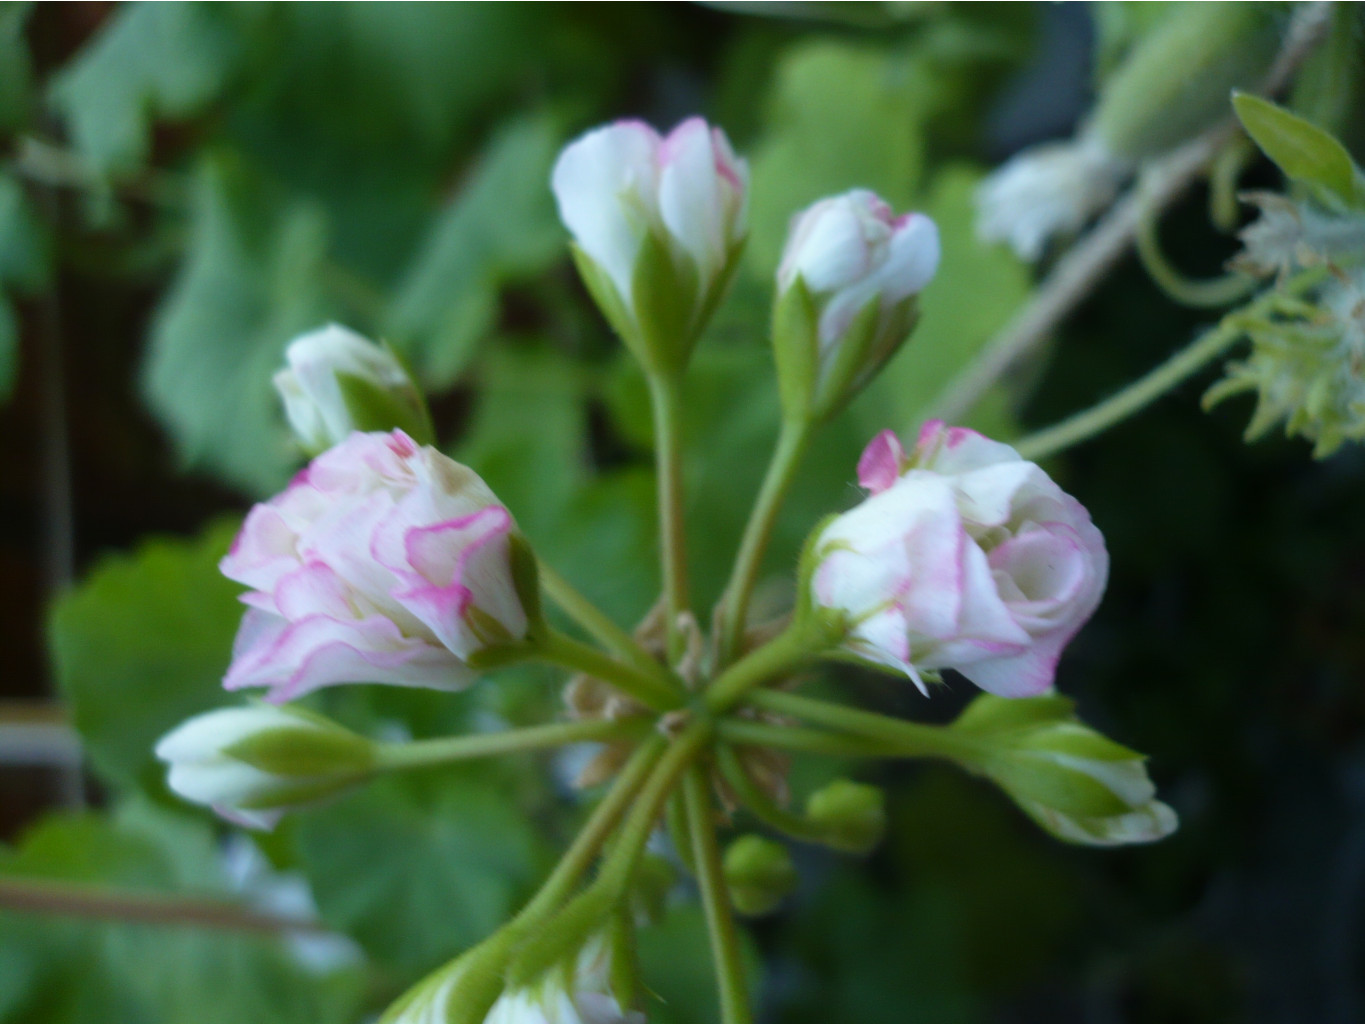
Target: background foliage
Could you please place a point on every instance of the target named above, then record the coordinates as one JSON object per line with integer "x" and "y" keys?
{"x": 186, "y": 186}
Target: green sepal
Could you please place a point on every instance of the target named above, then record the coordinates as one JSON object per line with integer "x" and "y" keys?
{"x": 373, "y": 407}
{"x": 989, "y": 714}
{"x": 759, "y": 874}
{"x": 1067, "y": 790}
{"x": 1072, "y": 739}
{"x": 664, "y": 296}
{"x": 297, "y": 792}
{"x": 525, "y": 569}
{"x": 561, "y": 938}
{"x": 796, "y": 348}
{"x": 719, "y": 286}
{"x": 1303, "y": 151}
{"x": 305, "y": 752}
{"x": 851, "y": 815}
{"x": 612, "y": 304}
{"x": 834, "y": 622}
{"x": 840, "y": 377}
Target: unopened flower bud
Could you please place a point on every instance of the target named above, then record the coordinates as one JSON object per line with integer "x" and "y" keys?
{"x": 759, "y": 874}
{"x": 658, "y": 223}
{"x": 965, "y": 556}
{"x": 1144, "y": 110}
{"x": 1074, "y": 782}
{"x": 337, "y": 382}
{"x": 252, "y": 764}
{"x": 846, "y": 297}
{"x": 852, "y": 815}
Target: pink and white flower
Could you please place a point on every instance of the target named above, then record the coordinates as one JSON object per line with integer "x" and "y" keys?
{"x": 383, "y": 562}
{"x": 850, "y": 250}
{"x": 965, "y": 556}
{"x": 620, "y": 184}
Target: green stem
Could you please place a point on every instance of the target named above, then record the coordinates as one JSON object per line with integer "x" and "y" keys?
{"x": 800, "y": 740}
{"x": 558, "y": 936}
{"x": 790, "y": 649}
{"x": 596, "y": 624}
{"x": 392, "y": 756}
{"x": 650, "y": 690}
{"x": 759, "y": 804}
{"x": 791, "y": 447}
{"x": 725, "y": 951}
{"x": 1211, "y": 293}
{"x": 580, "y": 855}
{"x": 907, "y": 739}
{"x": 663, "y": 391}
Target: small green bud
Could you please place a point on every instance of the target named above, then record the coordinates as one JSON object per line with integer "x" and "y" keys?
{"x": 759, "y": 874}
{"x": 852, "y": 815}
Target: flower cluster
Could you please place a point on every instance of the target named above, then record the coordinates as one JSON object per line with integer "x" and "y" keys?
{"x": 384, "y": 561}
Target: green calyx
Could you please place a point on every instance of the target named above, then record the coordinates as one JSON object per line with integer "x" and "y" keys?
{"x": 372, "y": 406}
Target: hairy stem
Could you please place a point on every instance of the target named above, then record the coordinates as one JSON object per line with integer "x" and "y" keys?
{"x": 906, "y": 739}
{"x": 791, "y": 446}
{"x": 715, "y": 898}
{"x": 596, "y": 624}
{"x": 788, "y": 651}
{"x": 1083, "y": 267}
{"x": 759, "y": 804}
{"x": 663, "y": 392}
{"x": 650, "y": 689}
{"x": 445, "y": 749}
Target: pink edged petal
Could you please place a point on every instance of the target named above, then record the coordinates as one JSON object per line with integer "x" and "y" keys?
{"x": 262, "y": 551}
{"x": 451, "y": 561}
{"x": 1024, "y": 675}
{"x": 954, "y": 450}
{"x": 882, "y": 640}
{"x": 912, "y": 259}
{"x": 295, "y": 658}
{"x": 880, "y": 464}
{"x": 1041, "y": 573}
{"x": 691, "y": 202}
{"x": 313, "y": 589}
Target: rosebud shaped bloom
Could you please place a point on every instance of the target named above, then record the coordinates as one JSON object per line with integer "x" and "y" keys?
{"x": 657, "y": 226}
{"x": 383, "y": 562}
{"x": 846, "y": 296}
{"x": 252, "y": 764}
{"x": 965, "y": 556}
{"x": 337, "y": 382}
{"x": 1074, "y": 782}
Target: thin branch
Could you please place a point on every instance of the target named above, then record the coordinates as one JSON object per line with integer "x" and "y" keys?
{"x": 1087, "y": 263}
{"x": 72, "y": 899}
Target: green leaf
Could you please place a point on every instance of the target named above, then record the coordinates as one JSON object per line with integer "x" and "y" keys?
{"x": 1303, "y": 151}
{"x": 152, "y": 60}
{"x": 418, "y": 868}
{"x": 499, "y": 228}
{"x": 16, "y": 73}
{"x": 977, "y": 289}
{"x": 73, "y": 970}
{"x": 25, "y": 241}
{"x": 9, "y": 347}
{"x": 142, "y": 645}
{"x": 250, "y": 282}
{"x": 841, "y": 116}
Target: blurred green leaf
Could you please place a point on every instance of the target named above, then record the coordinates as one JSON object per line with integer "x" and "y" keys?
{"x": 142, "y": 645}
{"x": 977, "y": 289}
{"x": 9, "y": 347}
{"x": 25, "y": 240}
{"x": 16, "y": 68}
{"x": 499, "y": 227}
{"x": 65, "y": 970}
{"x": 416, "y": 869}
{"x": 252, "y": 279}
{"x": 841, "y": 116}
{"x": 152, "y": 60}
{"x": 1304, "y": 152}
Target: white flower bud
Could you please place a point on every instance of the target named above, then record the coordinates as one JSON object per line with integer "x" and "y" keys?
{"x": 251, "y": 764}
{"x": 337, "y": 382}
